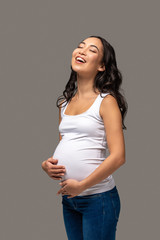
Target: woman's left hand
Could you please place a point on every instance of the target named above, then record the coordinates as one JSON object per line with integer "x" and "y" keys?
{"x": 70, "y": 187}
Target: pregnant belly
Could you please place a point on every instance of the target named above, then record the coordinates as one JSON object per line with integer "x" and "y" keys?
{"x": 78, "y": 160}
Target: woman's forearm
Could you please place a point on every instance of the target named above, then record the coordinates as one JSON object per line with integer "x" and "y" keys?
{"x": 106, "y": 168}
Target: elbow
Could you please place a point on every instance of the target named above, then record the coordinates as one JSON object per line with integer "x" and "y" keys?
{"x": 123, "y": 161}
{"x": 120, "y": 159}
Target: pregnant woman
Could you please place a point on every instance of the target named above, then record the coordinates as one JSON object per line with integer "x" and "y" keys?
{"x": 91, "y": 147}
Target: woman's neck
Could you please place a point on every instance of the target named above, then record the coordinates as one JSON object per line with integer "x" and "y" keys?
{"x": 85, "y": 86}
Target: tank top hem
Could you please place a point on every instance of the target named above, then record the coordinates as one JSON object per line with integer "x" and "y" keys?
{"x": 90, "y": 191}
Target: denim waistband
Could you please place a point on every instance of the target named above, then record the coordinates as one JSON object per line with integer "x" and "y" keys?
{"x": 114, "y": 189}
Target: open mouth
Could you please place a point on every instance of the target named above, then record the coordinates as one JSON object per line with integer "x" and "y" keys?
{"x": 80, "y": 60}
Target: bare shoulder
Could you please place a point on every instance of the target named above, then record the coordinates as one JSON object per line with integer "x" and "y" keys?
{"x": 109, "y": 107}
{"x": 61, "y": 102}
{"x": 60, "y": 105}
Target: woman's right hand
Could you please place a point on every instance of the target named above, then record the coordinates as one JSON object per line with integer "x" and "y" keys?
{"x": 52, "y": 169}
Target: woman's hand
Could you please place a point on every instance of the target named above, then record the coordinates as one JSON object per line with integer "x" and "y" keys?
{"x": 70, "y": 187}
{"x": 52, "y": 169}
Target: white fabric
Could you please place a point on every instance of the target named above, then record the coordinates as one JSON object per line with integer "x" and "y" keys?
{"x": 83, "y": 146}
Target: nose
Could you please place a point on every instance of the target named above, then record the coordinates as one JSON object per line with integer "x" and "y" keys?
{"x": 82, "y": 51}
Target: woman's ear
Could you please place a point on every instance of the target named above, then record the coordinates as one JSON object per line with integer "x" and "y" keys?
{"x": 101, "y": 68}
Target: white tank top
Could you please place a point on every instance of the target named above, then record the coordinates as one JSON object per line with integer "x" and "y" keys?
{"x": 83, "y": 146}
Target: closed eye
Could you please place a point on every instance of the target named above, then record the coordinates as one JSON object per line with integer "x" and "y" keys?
{"x": 92, "y": 51}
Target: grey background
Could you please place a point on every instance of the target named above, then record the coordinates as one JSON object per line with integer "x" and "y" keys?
{"x": 36, "y": 42}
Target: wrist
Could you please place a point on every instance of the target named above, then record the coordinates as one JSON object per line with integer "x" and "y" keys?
{"x": 83, "y": 185}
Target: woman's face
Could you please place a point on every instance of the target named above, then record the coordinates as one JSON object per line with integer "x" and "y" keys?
{"x": 87, "y": 57}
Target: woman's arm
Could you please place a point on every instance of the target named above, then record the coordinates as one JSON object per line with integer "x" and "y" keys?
{"x": 112, "y": 119}
{"x": 60, "y": 137}
{"x": 50, "y": 165}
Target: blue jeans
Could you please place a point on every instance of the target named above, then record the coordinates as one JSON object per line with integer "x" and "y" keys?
{"x": 92, "y": 217}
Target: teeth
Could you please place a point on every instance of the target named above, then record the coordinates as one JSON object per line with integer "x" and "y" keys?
{"x": 80, "y": 59}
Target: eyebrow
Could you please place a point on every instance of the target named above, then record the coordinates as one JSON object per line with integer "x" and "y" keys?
{"x": 90, "y": 45}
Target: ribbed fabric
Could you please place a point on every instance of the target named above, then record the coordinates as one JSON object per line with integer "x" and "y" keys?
{"x": 83, "y": 146}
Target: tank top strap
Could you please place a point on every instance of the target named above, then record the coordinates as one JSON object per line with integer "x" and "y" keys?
{"x": 96, "y": 106}
{"x": 63, "y": 106}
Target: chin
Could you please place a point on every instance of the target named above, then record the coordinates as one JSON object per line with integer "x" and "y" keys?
{"x": 79, "y": 69}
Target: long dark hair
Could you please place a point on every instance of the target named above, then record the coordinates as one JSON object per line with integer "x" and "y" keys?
{"x": 109, "y": 80}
